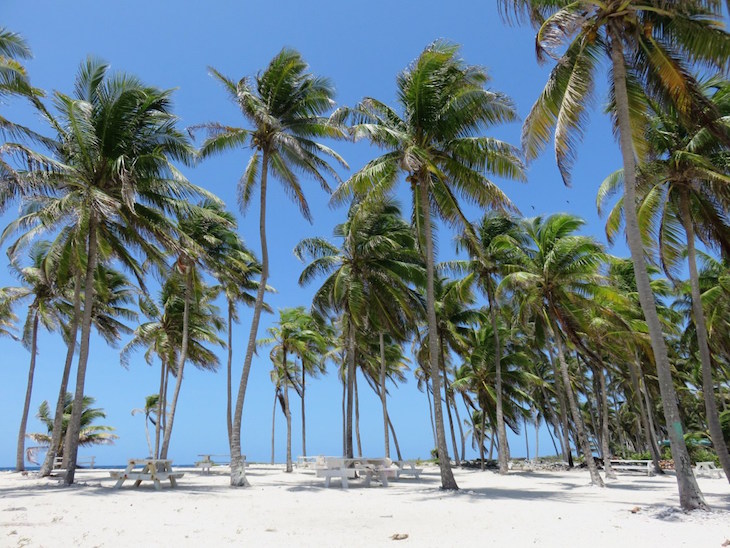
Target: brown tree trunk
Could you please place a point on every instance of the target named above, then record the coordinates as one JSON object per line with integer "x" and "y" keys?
{"x": 446, "y": 400}
{"x": 56, "y": 435}
{"x": 651, "y": 442}
{"x": 482, "y": 433}
{"x": 605, "y": 447}
{"x": 383, "y": 401}
{"x": 238, "y": 469}
{"x": 690, "y": 496}
{"x": 708, "y": 392}
{"x": 20, "y": 453}
{"x": 229, "y": 377}
{"x": 74, "y": 426}
{"x": 501, "y": 428}
{"x": 357, "y": 416}
{"x": 561, "y": 391}
{"x": 577, "y": 419}
{"x": 447, "y": 476}
{"x": 181, "y": 360}
{"x": 304, "y": 421}
{"x": 349, "y": 450}
{"x": 287, "y": 409}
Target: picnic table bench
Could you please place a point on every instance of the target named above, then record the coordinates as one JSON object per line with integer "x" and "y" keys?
{"x": 707, "y": 468}
{"x": 155, "y": 470}
{"x": 381, "y": 469}
{"x": 333, "y": 467}
{"x": 207, "y": 462}
{"x": 633, "y": 465}
{"x": 407, "y": 468}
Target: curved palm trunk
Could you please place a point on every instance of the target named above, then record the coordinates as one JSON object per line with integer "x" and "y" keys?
{"x": 20, "y": 453}
{"x": 56, "y": 435}
{"x": 501, "y": 428}
{"x": 713, "y": 418}
{"x": 690, "y": 496}
{"x": 577, "y": 419}
{"x": 395, "y": 439}
{"x": 461, "y": 429}
{"x": 383, "y": 395}
{"x": 605, "y": 448}
{"x": 565, "y": 437}
{"x": 349, "y": 453}
{"x": 74, "y": 427}
{"x": 229, "y": 378}
{"x": 651, "y": 442}
{"x": 181, "y": 361}
{"x": 447, "y": 476}
{"x": 304, "y": 422}
{"x": 161, "y": 407}
{"x": 430, "y": 412}
{"x": 238, "y": 470}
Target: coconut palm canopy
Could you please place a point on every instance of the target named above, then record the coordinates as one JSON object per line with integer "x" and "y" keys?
{"x": 485, "y": 307}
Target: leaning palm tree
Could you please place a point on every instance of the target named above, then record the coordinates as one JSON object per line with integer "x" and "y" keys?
{"x": 40, "y": 287}
{"x": 553, "y": 278}
{"x": 149, "y": 411}
{"x": 284, "y": 106}
{"x": 367, "y": 279}
{"x": 649, "y": 45}
{"x": 436, "y": 143}
{"x": 111, "y": 176}
{"x": 685, "y": 184}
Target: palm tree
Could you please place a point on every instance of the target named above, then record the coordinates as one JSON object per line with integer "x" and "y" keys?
{"x": 684, "y": 183}
{"x": 150, "y": 411}
{"x": 284, "y": 107}
{"x": 90, "y": 434}
{"x": 39, "y": 285}
{"x": 114, "y": 178}
{"x": 435, "y": 143}
{"x": 650, "y": 45}
{"x": 553, "y": 279}
{"x": 488, "y": 255}
{"x": 367, "y": 279}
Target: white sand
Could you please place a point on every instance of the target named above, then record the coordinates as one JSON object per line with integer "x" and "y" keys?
{"x": 521, "y": 509}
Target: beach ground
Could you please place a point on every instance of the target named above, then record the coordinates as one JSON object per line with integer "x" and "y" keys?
{"x": 520, "y": 509}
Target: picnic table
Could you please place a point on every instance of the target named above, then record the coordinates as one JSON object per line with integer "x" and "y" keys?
{"x": 345, "y": 468}
{"x": 709, "y": 469}
{"x": 380, "y": 468}
{"x": 207, "y": 462}
{"x": 633, "y": 464}
{"x": 155, "y": 470}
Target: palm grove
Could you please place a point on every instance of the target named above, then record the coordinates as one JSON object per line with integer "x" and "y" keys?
{"x": 537, "y": 323}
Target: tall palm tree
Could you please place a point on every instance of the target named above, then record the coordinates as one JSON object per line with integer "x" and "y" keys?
{"x": 367, "y": 278}
{"x": 150, "y": 410}
{"x": 285, "y": 106}
{"x": 40, "y": 287}
{"x": 435, "y": 143}
{"x": 488, "y": 255}
{"x": 553, "y": 279}
{"x": 684, "y": 183}
{"x": 113, "y": 176}
{"x": 649, "y": 45}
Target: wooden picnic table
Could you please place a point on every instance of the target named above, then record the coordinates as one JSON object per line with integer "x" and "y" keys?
{"x": 155, "y": 470}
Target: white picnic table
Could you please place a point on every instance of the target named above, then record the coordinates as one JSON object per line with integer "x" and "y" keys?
{"x": 346, "y": 468}
{"x": 155, "y": 470}
{"x": 707, "y": 468}
{"x": 207, "y": 461}
{"x": 633, "y": 464}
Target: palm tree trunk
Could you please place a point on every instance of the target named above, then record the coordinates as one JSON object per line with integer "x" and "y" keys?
{"x": 229, "y": 378}
{"x": 430, "y": 412}
{"x": 482, "y": 433}
{"x": 690, "y": 496}
{"x": 357, "y": 416}
{"x": 461, "y": 429}
{"x": 349, "y": 453}
{"x": 447, "y": 400}
{"x": 447, "y": 476}
{"x": 708, "y": 392}
{"x": 395, "y": 439}
{"x": 501, "y": 428}
{"x": 491, "y": 442}
{"x": 344, "y": 417}
{"x": 577, "y": 419}
{"x": 560, "y": 391}
{"x": 383, "y": 400}
{"x": 285, "y": 390}
{"x": 238, "y": 470}
{"x": 650, "y": 440}
{"x": 20, "y": 453}
{"x": 527, "y": 441}
{"x": 56, "y": 435}
{"x": 537, "y": 436}
{"x": 605, "y": 448}
{"x": 74, "y": 427}
{"x": 304, "y": 422}
{"x": 181, "y": 360}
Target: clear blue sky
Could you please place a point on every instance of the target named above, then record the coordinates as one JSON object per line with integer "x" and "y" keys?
{"x": 361, "y": 46}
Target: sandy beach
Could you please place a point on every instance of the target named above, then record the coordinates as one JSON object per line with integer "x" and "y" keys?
{"x": 520, "y": 509}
